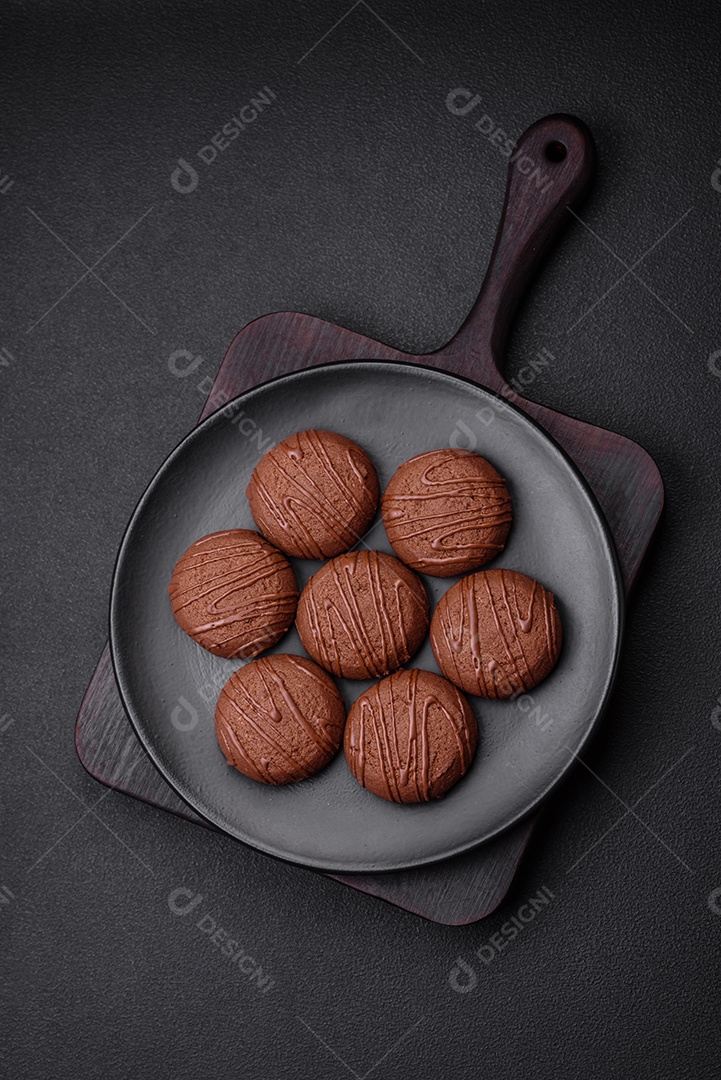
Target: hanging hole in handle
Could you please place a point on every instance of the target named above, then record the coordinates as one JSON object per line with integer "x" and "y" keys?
{"x": 555, "y": 151}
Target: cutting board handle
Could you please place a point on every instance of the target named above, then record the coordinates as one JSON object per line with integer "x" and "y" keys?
{"x": 550, "y": 168}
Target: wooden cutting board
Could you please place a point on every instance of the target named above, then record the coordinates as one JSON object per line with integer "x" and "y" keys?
{"x": 621, "y": 474}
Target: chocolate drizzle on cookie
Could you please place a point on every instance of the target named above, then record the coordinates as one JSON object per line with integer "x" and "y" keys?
{"x": 314, "y": 494}
{"x": 410, "y": 737}
{"x": 446, "y": 512}
{"x": 496, "y": 633}
{"x": 279, "y": 719}
{"x": 233, "y": 593}
{"x": 362, "y": 615}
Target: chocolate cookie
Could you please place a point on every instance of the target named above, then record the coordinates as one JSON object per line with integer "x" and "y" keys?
{"x": 496, "y": 633}
{"x": 362, "y": 615}
{"x": 314, "y": 494}
{"x": 446, "y": 512}
{"x": 233, "y": 593}
{"x": 279, "y": 719}
{"x": 411, "y": 737}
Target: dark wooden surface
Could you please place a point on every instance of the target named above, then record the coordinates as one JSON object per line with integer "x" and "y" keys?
{"x": 622, "y": 475}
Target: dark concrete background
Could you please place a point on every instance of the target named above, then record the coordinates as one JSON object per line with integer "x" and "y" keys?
{"x": 357, "y": 196}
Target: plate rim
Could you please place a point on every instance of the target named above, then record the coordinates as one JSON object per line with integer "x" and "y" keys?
{"x": 462, "y": 849}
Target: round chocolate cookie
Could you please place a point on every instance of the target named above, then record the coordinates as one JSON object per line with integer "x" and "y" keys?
{"x": 233, "y": 593}
{"x": 362, "y": 615}
{"x": 279, "y": 719}
{"x": 314, "y": 494}
{"x": 496, "y": 633}
{"x": 446, "y": 512}
{"x": 411, "y": 737}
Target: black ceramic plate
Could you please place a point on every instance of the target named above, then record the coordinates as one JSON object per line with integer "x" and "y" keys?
{"x": 169, "y": 684}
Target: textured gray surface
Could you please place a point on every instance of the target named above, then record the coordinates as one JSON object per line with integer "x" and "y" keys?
{"x": 355, "y": 195}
